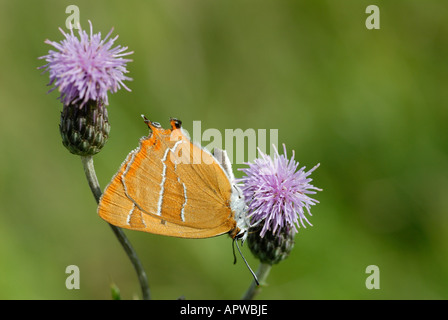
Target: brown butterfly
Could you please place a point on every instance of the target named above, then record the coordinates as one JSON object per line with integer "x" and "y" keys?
{"x": 173, "y": 187}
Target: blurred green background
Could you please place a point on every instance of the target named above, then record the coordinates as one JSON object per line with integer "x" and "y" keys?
{"x": 369, "y": 105}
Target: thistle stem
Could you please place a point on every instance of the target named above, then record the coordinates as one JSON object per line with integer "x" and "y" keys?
{"x": 262, "y": 274}
{"x": 89, "y": 170}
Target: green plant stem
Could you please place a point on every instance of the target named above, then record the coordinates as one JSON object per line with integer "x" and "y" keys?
{"x": 262, "y": 274}
{"x": 89, "y": 170}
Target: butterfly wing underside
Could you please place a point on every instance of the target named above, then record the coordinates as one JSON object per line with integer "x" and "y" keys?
{"x": 169, "y": 186}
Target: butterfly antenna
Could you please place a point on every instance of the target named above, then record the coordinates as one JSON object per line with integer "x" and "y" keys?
{"x": 233, "y": 249}
{"x": 247, "y": 264}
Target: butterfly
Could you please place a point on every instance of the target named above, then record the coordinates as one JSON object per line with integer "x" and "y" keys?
{"x": 171, "y": 186}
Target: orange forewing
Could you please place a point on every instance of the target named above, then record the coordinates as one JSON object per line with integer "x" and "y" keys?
{"x": 169, "y": 186}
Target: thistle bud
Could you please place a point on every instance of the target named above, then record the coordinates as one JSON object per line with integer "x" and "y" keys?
{"x": 273, "y": 247}
{"x": 84, "y": 130}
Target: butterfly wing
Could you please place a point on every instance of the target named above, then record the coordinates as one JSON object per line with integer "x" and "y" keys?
{"x": 169, "y": 186}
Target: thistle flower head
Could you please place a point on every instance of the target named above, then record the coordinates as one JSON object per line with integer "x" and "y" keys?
{"x": 86, "y": 68}
{"x": 276, "y": 193}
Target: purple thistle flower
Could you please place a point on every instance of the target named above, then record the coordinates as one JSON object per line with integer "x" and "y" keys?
{"x": 276, "y": 192}
{"x": 86, "y": 68}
